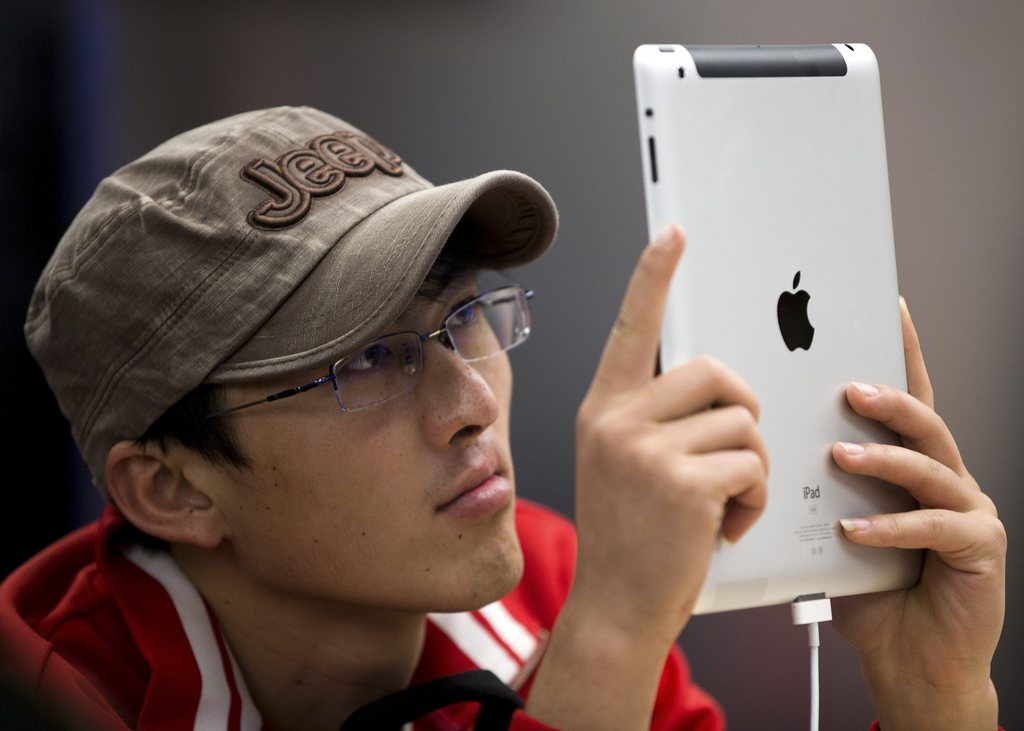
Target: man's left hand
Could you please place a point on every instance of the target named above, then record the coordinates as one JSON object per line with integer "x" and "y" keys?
{"x": 926, "y": 651}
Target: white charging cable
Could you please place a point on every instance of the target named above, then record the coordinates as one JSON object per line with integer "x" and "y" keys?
{"x": 810, "y": 609}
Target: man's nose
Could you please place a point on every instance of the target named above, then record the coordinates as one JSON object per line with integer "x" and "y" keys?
{"x": 457, "y": 401}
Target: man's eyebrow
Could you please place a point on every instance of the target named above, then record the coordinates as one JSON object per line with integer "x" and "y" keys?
{"x": 419, "y": 304}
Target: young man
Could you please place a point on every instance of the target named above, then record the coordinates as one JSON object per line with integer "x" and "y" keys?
{"x": 267, "y": 337}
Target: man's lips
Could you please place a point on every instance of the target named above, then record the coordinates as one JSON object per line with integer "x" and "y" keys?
{"x": 479, "y": 468}
{"x": 481, "y": 491}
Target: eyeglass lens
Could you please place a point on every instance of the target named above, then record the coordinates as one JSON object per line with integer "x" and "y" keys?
{"x": 382, "y": 370}
{"x": 386, "y": 368}
{"x": 491, "y": 323}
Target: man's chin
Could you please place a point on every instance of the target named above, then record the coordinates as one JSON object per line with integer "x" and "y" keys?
{"x": 508, "y": 579}
{"x": 492, "y": 577}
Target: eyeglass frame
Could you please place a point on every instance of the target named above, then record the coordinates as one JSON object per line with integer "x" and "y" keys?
{"x": 440, "y": 333}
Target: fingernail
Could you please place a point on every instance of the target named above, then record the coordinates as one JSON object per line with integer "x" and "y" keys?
{"x": 851, "y": 448}
{"x": 855, "y": 525}
{"x": 867, "y": 389}
{"x": 663, "y": 239}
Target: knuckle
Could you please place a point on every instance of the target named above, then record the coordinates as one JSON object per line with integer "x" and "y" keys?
{"x": 754, "y": 408}
{"x": 994, "y": 529}
{"x": 628, "y": 323}
{"x": 891, "y": 526}
{"x": 741, "y": 424}
{"x": 623, "y": 325}
{"x": 712, "y": 507}
{"x": 593, "y": 424}
{"x": 597, "y": 408}
{"x": 710, "y": 369}
{"x": 988, "y": 504}
{"x": 935, "y": 522}
{"x": 683, "y": 472}
{"x": 759, "y": 462}
{"x": 938, "y": 424}
{"x": 999, "y": 536}
{"x": 706, "y": 362}
{"x": 618, "y": 440}
{"x": 584, "y": 418}
{"x": 702, "y": 369}
{"x": 610, "y": 446}
{"x": 732, "y": 417}
{"x": 586, "y": 413}
{"x": 997, "y": 531}
{"x": 747, "y": 421}
{"x": 752, "y": 466}
{"x": 724, "y": 381}
{"x": 603, "y": 428}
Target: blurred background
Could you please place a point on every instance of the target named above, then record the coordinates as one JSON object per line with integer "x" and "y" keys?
{"x": 460, "y": 87}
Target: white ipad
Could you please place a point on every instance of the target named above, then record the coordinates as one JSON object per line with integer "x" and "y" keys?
{"x": 772, "y": 159}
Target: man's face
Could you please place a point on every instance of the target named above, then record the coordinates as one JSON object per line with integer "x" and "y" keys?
{"x": 405, "y": 505}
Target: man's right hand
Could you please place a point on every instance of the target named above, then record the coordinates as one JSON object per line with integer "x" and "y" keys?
{"x": 664, "y": 464}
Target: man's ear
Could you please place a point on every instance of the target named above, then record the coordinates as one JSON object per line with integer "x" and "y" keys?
{"x": 150, "y": 488}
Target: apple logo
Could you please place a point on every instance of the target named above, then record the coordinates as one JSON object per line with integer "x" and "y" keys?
{"x": 796, "y": 329}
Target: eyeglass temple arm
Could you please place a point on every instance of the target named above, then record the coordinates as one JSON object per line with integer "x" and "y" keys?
{"x": 279, "y": 395}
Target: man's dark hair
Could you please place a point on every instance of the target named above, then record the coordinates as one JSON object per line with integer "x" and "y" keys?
{"x": 186, "y": 423}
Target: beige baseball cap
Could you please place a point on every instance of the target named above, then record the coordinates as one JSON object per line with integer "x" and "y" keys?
{"x": 257, "y": 246}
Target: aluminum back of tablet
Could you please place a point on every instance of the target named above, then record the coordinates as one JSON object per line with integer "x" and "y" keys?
{"x": 773, "y": 161}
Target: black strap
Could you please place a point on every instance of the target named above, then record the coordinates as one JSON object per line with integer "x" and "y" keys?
{"x": 497, "y": 703}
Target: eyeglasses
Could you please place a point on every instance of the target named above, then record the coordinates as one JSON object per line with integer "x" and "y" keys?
{"x": 476, "y": 329}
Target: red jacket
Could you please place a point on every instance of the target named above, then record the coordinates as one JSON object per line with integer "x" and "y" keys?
{"x": 110, "y": 635}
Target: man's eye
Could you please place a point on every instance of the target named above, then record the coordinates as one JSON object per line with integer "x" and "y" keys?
{"x": 464, "y": 317}
{"x": 367, "y": 359}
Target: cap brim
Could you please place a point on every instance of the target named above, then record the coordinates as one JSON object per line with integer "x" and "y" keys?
{"x": 367, "y": 279}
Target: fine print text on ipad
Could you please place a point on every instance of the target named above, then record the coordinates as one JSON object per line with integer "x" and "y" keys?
{"x": 772, "y": 159}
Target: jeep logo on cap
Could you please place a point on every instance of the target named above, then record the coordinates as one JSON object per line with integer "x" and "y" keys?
{"x": 319, "y": 169}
